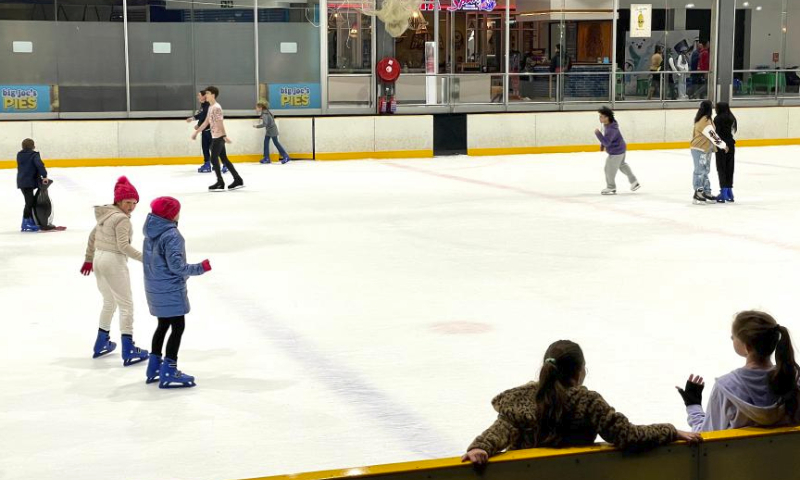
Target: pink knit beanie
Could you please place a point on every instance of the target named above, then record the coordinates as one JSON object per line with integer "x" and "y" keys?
{"x": 166, "y": 207}
{"x": 123, "y": 190}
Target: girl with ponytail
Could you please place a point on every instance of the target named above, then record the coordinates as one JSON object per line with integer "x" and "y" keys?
{"x": 759, "y": 394}
{"x": 557, "y": 411}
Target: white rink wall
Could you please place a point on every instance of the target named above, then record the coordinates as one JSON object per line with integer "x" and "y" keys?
{"x": 151, "y": 142}
{"x": 495, "y": 134}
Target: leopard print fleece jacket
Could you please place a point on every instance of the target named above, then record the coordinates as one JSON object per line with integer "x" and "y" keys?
{"x": 586, "y": 416}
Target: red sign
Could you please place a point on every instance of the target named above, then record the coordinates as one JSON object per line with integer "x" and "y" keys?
{"x": 775, "y": 57}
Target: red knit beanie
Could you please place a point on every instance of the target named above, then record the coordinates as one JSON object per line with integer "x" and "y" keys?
{"x": 123, "y": 190}
{"x": 166, "y": 207}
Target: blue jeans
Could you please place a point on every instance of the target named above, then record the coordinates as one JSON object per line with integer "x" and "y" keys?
{"x": 280, "y": 148}
{"x": 702, "y": 165}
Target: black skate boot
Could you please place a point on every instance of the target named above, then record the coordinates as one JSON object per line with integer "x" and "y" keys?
{"x": 698, "y": 198}
{"x": 217, "y": 187}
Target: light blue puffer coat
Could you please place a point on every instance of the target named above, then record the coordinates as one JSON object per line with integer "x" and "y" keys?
{"x": 165, "y": 268}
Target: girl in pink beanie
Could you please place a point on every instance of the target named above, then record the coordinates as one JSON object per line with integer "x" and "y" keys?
{"x": 107, "y": 255}
{"x": 165, "y": 274}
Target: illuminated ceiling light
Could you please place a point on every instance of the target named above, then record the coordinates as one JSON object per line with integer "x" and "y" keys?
{"x": 690, "y": 5}
{"x": 758, "y": 8}
{"x": 746, "y": 4}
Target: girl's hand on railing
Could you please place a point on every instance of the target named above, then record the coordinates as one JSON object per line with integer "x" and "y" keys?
{"x": 478, "y": 456}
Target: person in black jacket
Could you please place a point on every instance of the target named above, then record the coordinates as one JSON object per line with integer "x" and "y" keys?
{"x": 200, "y": 116}
{"x": 725, "y": 125}
{"x": 30, "y": 170}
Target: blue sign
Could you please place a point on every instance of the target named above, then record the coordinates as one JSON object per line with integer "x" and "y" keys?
{"x": 294, "y": 96}
{"x": 25, "y": 98}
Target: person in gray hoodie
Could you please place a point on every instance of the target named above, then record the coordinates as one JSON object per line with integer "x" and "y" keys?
{"x": 268, "y": 122}
{"x": 611, "y": 142}
{"x": 759, "y": 394}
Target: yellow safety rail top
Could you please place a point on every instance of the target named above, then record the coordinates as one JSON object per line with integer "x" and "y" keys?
{"x": 514, "y": 455}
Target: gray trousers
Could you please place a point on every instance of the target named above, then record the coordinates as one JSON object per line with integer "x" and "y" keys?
{"x": 616, "y": 163}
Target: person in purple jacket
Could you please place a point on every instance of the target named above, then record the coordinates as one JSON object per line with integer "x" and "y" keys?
{"x": 611, "y": 142}
{"x": 759, "y": 394}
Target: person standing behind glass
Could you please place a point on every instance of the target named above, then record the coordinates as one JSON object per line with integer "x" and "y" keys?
{"x": 555, "y": 61}
{"x": 703, "y": 65}
{"x": 655, "y": 66}
{"x": 680, "y": 66}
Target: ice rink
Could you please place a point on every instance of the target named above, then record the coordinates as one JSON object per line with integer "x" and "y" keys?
{"x": 367, "y": 312}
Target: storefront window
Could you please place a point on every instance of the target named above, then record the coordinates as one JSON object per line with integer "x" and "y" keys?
{"x": 29, "y": 77}
{"x": 288, "y": 55}
{"x": 762, "y": 63}
{"x": 224, "y": 51}
{"x": 162, "y": 62}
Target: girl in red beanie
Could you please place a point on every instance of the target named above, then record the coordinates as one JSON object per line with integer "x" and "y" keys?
{"x": 107, "y": 254}
{"x": 165, "y": 275}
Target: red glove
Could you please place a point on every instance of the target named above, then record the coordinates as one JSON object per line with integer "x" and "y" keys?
{"x": 206, "y": 266}
{"x": 86, "y": 269}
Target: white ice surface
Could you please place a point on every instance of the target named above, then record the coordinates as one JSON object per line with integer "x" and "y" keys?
{"x": 366, "y": 312}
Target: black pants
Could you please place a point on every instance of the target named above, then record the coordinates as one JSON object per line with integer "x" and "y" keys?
{"x": 30, "y": 201}
{"x": 725, "y": 167}
{"x": 206, "y": 140}
{"x": 178, "y": 324}
{"x": 217, "y": 153}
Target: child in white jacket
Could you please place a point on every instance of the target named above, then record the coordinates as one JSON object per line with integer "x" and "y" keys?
{"x": 760, "y": 393}
{"x": 107, "y": 253}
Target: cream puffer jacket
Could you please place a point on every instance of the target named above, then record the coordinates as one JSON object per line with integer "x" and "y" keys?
{"x": 112, "y": 233}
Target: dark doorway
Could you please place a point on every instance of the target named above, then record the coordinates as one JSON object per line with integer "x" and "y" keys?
{"x": 450, "y": 134}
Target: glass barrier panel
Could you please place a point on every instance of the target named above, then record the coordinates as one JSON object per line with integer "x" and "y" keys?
{"x": 349, "y": 90}
{"x": 533, "y": 87}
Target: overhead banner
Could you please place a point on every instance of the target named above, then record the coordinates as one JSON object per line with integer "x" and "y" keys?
{"x": 289, "y": 96}
{"x": 25, "y": 98}
{"x": 641, "y": 20}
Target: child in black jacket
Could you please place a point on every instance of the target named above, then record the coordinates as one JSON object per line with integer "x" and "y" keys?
{"x": 30, "y": 171}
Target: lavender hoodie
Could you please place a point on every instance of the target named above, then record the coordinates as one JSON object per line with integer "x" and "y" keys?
{"x": 739, "y": 399}
{"x": 612, "y": 141}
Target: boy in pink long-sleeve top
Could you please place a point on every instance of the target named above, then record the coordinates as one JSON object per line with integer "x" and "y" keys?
{"x": 219, "y": 138}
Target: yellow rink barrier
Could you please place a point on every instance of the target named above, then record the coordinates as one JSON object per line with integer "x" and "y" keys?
{"x": 744, "y": 454}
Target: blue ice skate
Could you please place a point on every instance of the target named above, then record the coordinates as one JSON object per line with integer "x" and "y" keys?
{"x": 171, "y": 377}
{"x": 103, "y": 344}
{"x": 206, "y": 168}
{"x": 224, "y": 169}
{"x": 131, "y": 354}
{"x": 28, "y": 225}
{"x": 729, "y": 194}
{"x": 153, "y": 368}
{"x": 264, "y": 161}
{"x": 285, "y": 160}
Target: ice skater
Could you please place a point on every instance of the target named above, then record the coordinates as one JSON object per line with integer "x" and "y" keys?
{"x": 30, "y": 171}
{"x": 725, "y": 125}
{"x": 268, "y": 122}
{"x": 614, "y": 145}
{"x": 704, "y": 141}
{"x": 759, "y": 394}
{"x": 200, "y": 117}
{"x": 219, "y": 138}
{"x": 107, "y": 253}
{"x": 557, "y": 411}
{"x": 165, "y": 275}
